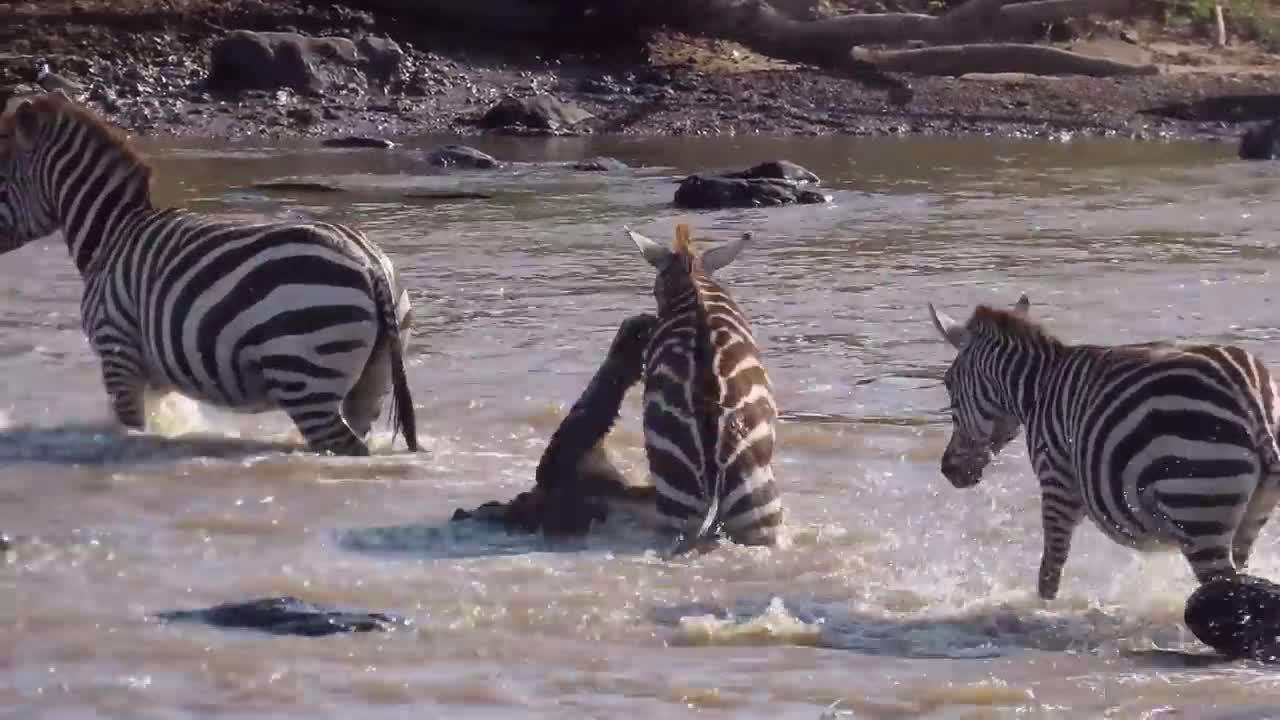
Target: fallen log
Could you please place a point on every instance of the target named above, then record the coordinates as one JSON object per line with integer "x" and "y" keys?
{"x": 956, "y": 60}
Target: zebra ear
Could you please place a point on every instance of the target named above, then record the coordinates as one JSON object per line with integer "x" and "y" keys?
{"x": 1023, "y": 306}
{"x": 719, "y": 256}
{"x": 655, "y": 252}
{"x": 26, "y": 122}
{"x": 951, "y": 331}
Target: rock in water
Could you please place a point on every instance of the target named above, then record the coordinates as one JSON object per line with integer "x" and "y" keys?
{"x": 1239, "y": 617}
{"x": 461, "y": 156}
{"x": 707, "y": 192}
{"x": 286, "y": 616}
{"x": 357, "y": 141}
{"x": 1261, "y": 142}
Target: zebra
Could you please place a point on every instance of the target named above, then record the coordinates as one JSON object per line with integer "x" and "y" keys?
{"x": 1162, "y": 446}
{"x": 709, "y": 412}
{"x": 303, "y": 317}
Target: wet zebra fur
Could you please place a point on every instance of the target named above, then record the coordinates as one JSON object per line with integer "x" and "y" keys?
{"x": 303, "y": 317}
{"x": 575, "y": 482}
{"x": 709, "y": 412}
{"x": 1160, "y": 445}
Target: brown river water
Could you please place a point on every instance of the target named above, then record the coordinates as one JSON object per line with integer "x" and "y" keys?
{"x": 898, "y": 596}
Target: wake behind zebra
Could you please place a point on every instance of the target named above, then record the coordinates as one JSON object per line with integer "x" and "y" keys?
{"x": 1160, "y": 445}
{"x": 709, "y": 412}
{"x": 305, "y": 317}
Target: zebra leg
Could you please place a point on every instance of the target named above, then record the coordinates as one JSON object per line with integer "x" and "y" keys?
{"x": 125, "y": 383}
{"x": 315, "y": 410}
{"x": 363, "y": 404}
{"x": 1202, "y": 524}
{"x": 1256, "y": 514}
{"x": 1059, "y": 516}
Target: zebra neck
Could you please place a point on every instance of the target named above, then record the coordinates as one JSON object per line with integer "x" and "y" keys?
{"x": 1024, "y": 380}
{"x": 91, "y": 237}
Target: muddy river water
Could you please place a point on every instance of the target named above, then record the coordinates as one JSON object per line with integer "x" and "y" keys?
{"x": 898, "y": 597}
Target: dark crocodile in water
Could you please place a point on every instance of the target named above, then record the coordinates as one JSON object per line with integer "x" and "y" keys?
{"x": 287, "y": 616}
{"x": 576, "y": 482}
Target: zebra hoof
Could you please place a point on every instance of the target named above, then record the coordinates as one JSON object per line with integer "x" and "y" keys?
{"x": 1239, "y": 617}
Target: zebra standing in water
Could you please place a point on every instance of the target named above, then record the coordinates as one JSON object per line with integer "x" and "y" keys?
{"x": 709, "y": 413}
{"x": 305, "y": 317}
{"x": 1161, "y": 446}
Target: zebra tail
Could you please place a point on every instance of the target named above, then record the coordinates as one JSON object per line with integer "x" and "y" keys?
{"x": 710, "y": 525}
{"x": 402, "y": 413}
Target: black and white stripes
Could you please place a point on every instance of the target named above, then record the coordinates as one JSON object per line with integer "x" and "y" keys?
{"x": 1162, "y": 446}
{"x": 305, "y": 317}
{"x": 709, "y": 412}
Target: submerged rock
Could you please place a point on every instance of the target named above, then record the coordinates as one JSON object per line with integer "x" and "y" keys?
{"x": 1261, "y": 142}
{"x": 705, "y": 192}
{"x": 297, "y": 186}
{"x": 542, "y": 112}
{"x": 358, "y": 141}
{"x": 461, "y": 156}
{"x": 600, "y": 164}
{"x": 286, "y": 616}
{"x": 1239, "y": 617}
{"x": 779, "y": 169}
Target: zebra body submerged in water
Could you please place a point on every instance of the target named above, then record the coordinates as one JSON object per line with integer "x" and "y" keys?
{"x": 709, "y": 412}
{"x": 1161, "y": 445}
{"x": 304, "y": 317}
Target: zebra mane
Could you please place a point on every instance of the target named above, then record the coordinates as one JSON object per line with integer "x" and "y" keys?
{"x": 58, "y": 106}
{"x": 1003, "y": 324}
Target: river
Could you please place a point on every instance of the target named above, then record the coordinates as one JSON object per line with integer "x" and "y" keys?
{"x": 898, "y": 596}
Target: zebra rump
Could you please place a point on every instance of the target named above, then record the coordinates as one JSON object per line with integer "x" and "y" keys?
{"x": 303, "y": 317}
{"x": 709, "y": 412}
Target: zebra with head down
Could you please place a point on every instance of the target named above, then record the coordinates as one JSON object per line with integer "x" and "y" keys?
{"x": 304, "y": 317}
{"x": 1162, "y": 446}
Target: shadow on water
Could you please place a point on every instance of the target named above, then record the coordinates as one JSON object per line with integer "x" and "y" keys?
{"x": 90, "y": 444}
{"x": 987, "y": 632}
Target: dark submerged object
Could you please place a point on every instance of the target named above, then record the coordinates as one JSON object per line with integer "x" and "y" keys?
{"x": 461, "y": 156}
{"x": 708, "y": 192}
{"x": 575, "y": 478}
{"x": 286, "y": 616}
{"x": 1261, "y": 142}
{"x": 1239, "y": 617}
{"x": 778, "y": 169}
{"x": 358, "y": 141}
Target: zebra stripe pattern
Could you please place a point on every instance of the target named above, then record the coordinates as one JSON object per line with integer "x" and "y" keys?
{"x": 1160, "y": 445}
{"x": 709, "y": 413}
{"x": 304, "y": 317}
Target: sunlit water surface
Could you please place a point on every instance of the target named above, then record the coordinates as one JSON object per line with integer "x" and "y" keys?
{"x": 899, "y": 597}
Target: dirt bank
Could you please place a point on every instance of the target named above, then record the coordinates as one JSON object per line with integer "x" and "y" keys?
{"x": 144, "y": 64}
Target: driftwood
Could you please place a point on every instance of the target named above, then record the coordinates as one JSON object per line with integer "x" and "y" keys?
{"x": 956, "y": 60}
{"x": 826, "y": 43}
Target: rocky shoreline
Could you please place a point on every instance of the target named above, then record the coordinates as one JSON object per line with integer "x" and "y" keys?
{"x": 172, "y": 74}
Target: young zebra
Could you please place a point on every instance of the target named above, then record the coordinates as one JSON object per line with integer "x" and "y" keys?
{"x": 709, "y": 412}
{"x": 305, "y": 317}
{"x": 1161, "y": 446}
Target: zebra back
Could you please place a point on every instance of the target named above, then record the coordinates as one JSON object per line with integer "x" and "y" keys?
{"x": 709, "y": 411}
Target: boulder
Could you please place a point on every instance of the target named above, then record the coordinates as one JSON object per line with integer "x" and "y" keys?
{"x": 706, "y": 192}
{"x": 779, "y": 169}
{"x": 600, "y": 164}
{"x": 1261, "y": 142}
{"x": 542, "y": 112}
{"x": 286, "y": 616}
{"x": 461, "y": 156}
{"x": 248, "y": 60}
{"x": 1239, "y": 617}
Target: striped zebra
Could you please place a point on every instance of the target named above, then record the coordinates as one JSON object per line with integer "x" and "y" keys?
{"x": 709, "y": 412}
{"x": 1162, "y": 446}
{"x": 304, "y": 317}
